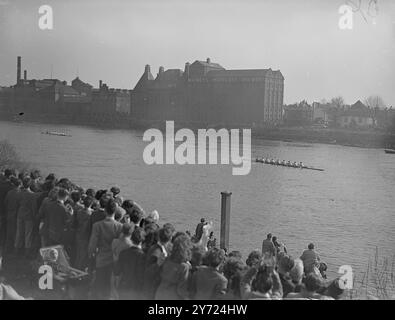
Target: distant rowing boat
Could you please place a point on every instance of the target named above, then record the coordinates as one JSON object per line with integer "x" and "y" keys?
{"x": 390, "y": 151}
{"x": 55, "y": 133}
{"x": 288, "y": 165}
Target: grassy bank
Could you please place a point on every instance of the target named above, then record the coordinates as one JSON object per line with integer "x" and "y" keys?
{"x": 346, "y": 137}
{"x": 366, "y": 139}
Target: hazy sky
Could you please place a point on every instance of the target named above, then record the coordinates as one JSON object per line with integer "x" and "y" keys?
{"x": 113, "y": 40}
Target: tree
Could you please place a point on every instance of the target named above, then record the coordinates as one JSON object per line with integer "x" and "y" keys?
{"x": 9, "y": 157}
{"x": 374, "y": 102}
{"x": 393, "y": 124}
{"x": 337, "y": 102}
{"x": 337, "y": 105}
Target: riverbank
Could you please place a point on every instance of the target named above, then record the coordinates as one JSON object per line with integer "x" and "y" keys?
{"x": 364, "y": 139}
{"x": 353, "y": 138}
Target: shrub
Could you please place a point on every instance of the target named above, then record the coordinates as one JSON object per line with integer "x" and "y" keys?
{"x": 9, "y": 157}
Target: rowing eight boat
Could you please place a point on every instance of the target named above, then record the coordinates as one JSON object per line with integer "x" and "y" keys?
{"x": 287, "y": 165}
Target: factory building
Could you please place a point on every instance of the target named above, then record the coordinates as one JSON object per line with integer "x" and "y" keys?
{"x": 206, "y": 93}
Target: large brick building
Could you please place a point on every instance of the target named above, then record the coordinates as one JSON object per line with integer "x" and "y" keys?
{"x": 110, "y": 101}
{"x": 206, "y": 93}
{"x": 52, "y": 96}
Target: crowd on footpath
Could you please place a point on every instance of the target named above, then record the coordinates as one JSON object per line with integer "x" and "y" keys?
{"x": 129, "y": 255}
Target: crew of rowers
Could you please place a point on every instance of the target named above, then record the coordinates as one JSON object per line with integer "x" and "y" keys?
{"x": 281, "y": 163}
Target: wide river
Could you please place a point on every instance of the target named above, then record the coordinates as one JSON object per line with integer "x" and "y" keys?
{"x": 347, "y": 210}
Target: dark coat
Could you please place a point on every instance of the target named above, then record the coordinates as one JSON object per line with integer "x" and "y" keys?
{"x": 57, "y": 222}
{"x": 96, "y": 216}
{"x": 130, "y": 268}
{"x": 154, "y": 259}
{"x": 12, "y": 202}
{"x": 27, "y": 209}
{"x": 5, "y": 186}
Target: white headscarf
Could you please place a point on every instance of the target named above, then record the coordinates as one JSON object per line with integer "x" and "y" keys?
{"x": 154, "y": 215}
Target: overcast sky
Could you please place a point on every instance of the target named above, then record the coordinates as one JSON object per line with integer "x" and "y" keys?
{"x": 113, "y": 40}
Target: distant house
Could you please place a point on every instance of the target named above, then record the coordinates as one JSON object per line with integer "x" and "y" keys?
{"x": 85, "y": 89}
{"x": 298, "y": 114}
{"x": 48, "y": 95}
{"x": 62, "y": 98}
{"x": 356, "y": 116}
{"x": 109, "y": 101}
{"x": 322, "y": 112}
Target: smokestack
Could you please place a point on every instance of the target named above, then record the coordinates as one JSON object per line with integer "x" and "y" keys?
{"x": 100, "y": 84}
{"x": 25, "y": 75}
{"x": 18, "y": 70}
{"x": 147, "y": 68}
{"x": 208, "y": 60}
{"x": 186, "y": 70}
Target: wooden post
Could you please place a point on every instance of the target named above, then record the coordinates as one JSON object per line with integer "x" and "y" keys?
{"x": 225, "y": 220}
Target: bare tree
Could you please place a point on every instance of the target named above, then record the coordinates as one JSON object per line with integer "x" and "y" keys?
{"x": 337, "y": 102}
{"x": 9, "y": 156}
{"x": 336, "y": 107}
{"x": 374, "y": 102}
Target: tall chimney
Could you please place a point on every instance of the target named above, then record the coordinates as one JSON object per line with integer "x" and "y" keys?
{"x": 25, "y": 75}
{"x": 147, "y": 68}
{"x": 100, "y": 84}
{"x": 186, "y": 70}
{"x": 18, "y": 70}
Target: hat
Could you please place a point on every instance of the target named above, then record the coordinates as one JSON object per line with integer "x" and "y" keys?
{"x": 115, "y": 190}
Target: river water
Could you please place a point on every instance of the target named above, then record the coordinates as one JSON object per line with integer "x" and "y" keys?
{"x": 347, "y": 210}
